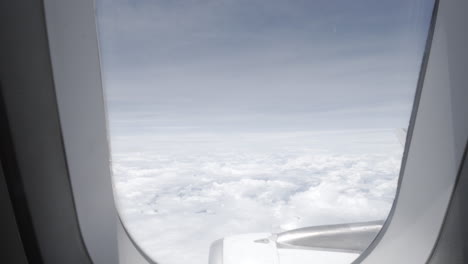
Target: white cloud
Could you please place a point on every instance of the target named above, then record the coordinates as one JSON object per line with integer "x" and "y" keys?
{"x": 177, "y": 203}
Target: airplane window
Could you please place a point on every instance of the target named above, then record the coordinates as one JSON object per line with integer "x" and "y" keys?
{"x": 245, "y": 121}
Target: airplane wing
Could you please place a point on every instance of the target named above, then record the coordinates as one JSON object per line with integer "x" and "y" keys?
{"x": 401, "y": 135}
{"x": 329, "y": 244}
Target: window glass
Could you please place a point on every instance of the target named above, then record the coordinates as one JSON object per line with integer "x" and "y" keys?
{"x": 232, "y": 117}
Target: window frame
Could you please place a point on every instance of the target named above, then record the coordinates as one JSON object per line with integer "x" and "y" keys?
{"x": 72, "y": 36}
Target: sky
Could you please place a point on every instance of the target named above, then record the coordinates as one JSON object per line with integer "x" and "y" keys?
{"x": 283, "y": 112}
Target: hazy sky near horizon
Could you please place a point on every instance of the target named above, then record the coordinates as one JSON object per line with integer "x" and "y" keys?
{"x": 257, "y": 65}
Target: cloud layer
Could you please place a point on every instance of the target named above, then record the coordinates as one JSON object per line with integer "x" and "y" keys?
{"x": 177, "y": 203}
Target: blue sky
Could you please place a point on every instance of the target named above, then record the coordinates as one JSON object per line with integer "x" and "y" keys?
{"x": 228, "y": 65}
